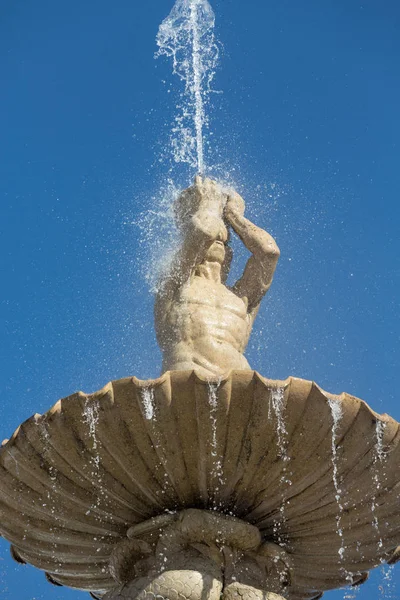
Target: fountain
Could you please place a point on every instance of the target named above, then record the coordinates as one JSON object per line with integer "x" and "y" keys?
{"x": 211, "y": 480}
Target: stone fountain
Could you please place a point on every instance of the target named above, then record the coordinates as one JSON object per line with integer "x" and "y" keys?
{"x": 211, "y": 480}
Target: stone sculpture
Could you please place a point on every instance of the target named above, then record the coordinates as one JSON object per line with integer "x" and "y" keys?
{"x": 210, "y": 481}
{"x": 197, "y": 554}
{"x": 200, "y": 322}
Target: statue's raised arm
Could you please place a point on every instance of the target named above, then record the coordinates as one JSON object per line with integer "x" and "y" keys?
{"x": 258, "y": 274}
{"x": 202, "y": 324}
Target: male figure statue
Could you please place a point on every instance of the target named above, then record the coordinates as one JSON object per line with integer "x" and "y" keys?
{"x": 202, "y": 324}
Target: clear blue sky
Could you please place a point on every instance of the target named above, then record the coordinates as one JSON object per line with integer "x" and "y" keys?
{"x": 308, "y": 129}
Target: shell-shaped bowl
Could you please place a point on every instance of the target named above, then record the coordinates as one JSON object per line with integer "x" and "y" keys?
{"x": 316, "y": 473}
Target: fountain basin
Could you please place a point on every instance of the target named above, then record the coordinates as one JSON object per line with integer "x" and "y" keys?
{"x": 324, "y": 488}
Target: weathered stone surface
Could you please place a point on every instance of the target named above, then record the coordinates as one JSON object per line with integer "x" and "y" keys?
{"x": 238, "y": 592}
{"x": 171, "y": 585}
{"x": 76, "y": 480}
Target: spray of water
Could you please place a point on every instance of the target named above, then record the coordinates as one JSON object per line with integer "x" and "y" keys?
{"x": 387, "y": 586}
{"x": 187, "y": 36}
{"x": 352, "y": 593}
{"x": 159, "y": 237}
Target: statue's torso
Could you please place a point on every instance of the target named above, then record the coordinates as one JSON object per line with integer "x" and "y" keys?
{"x": 205, "y": 327}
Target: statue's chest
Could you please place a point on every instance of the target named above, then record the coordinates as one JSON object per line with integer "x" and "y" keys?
{"x": 215, "y": 296}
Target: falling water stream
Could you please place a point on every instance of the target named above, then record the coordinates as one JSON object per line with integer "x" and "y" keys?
{"x": 148, "y": 403}
{"x": 377, "y": 476}
{"x": 217, "y": 469}
{"x": 187, "y": 36}
{"x": 149, "y": 408}
{"x": 386, "y": 587}
{"x": 278, "y": 407}
{"x": 91, "y": 416}
{"x": 337, "y": 414}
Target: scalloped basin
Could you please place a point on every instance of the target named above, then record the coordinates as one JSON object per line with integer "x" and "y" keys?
{"x": 75, "y": 480}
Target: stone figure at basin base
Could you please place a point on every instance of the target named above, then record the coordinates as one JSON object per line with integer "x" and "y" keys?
{"x": 195, "y": 555}
{"x": 212, "y": 481}
{"x": 200, "y": 322}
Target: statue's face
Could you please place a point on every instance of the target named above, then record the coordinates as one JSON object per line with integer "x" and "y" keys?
{"x": 210, "y": 194}
{"x": 217, "y": 251}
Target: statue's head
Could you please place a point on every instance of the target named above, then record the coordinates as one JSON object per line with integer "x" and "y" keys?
{"x": 211, "y": 195}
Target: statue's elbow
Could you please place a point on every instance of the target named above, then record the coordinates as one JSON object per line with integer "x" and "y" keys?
{"x": 270, "y": 251}
{"x": 275, "y": 252}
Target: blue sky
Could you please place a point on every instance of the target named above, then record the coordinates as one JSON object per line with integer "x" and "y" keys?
{"x": 307, "y": 129}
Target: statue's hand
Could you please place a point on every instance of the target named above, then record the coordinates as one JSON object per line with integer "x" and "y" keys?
{"x": 210, "y": 195}
{"x": 204, "y": 196}
{"x": 235, "y": 206}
